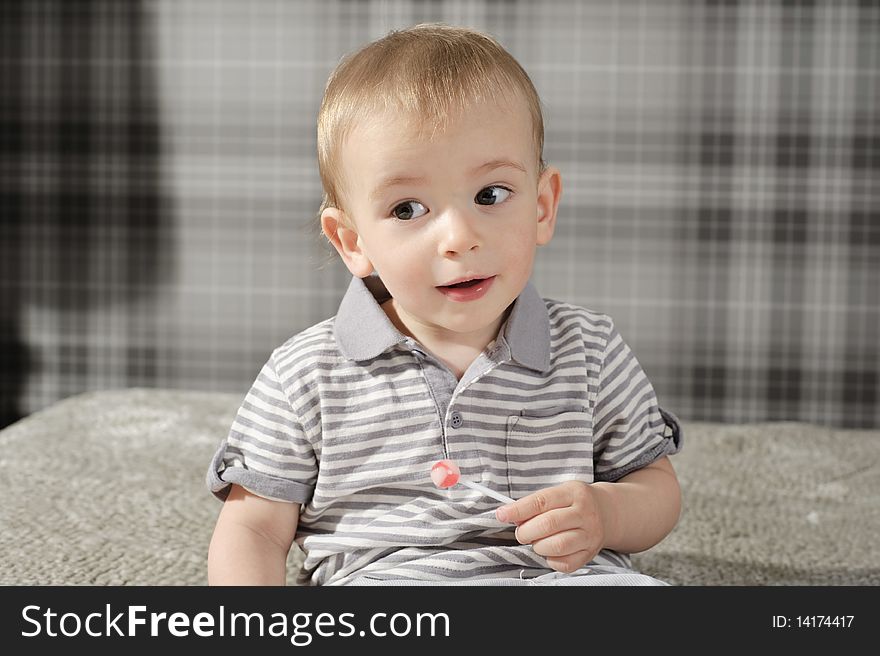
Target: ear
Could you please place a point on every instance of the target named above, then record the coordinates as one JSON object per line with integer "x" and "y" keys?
{"x": 549, "y": 193}
{"x": 346, "y": 241}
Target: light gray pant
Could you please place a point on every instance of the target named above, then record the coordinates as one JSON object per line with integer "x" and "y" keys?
{"x": 597, "y": 575}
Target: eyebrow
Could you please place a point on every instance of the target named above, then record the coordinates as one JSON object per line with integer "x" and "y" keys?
{"x": 491, "y": 165}
{"x": 397, "y": 180}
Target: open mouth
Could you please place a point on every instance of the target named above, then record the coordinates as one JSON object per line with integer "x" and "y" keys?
{"x": 467, "y": 290}
{"x": 466, "y": 283}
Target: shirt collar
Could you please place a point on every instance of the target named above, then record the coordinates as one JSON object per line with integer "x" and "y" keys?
{"x": 527, "y": 330}
{"x": 363, "y": 331}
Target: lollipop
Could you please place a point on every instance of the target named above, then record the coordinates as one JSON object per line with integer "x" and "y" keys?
{"x": 445, "y": 473}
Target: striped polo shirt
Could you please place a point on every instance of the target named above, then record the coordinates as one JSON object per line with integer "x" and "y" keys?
{"x": 347, "y": 418}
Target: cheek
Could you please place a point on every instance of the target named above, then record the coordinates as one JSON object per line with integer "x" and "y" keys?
{"x": 398, "y": 263}
{"x": 519, "y": 251}
{"x": 521, "y": 238}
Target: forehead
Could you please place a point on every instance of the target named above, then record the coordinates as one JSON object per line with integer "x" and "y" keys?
{"x": 392, "y": 134}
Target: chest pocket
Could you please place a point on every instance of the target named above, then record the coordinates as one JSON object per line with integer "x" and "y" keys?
{"x": 548, "y": 447}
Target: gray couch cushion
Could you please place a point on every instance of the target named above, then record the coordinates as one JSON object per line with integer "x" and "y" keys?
{"x": 108, "y": 488}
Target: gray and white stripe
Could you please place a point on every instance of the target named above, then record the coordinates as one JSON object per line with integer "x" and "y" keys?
{"x": 559, "y": 396}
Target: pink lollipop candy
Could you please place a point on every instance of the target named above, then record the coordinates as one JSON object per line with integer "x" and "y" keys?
{"x": 445, "y": 473}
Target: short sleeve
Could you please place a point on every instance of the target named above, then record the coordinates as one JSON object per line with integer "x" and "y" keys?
{"x": 630, "y": 430}
{"x": 266, "y": 450}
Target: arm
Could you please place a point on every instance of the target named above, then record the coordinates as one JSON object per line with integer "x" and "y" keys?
{"x": 251, "y": 540}
{"x": 570, "y": 523}
{"x": 640, "y": 509}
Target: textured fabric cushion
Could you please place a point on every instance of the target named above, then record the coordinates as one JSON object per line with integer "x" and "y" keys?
{"x": 108, "y": 488}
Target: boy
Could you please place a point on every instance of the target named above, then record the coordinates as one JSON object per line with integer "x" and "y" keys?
{"x": 436, "y": 197}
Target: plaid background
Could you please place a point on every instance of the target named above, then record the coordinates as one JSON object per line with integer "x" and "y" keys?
{"x": 720, "y": 160}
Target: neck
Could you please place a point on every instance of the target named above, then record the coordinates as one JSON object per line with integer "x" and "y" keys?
{"x": 456, "y": 350}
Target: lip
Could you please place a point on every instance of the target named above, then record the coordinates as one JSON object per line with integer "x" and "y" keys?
{"x": 466, "y": 294}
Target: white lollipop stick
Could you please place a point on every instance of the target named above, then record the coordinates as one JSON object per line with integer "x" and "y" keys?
{"x": 485, "y": 490}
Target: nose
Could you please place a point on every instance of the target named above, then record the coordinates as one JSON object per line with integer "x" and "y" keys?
{"x": 458, "y": 234}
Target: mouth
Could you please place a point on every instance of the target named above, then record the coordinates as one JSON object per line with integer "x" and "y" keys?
{"x": 464, "y": 283}
{"x": 472, "y": 288}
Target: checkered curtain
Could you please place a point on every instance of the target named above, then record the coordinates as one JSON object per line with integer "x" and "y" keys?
{"x": 158, "y": 189}
{"x": 85, "y": 223}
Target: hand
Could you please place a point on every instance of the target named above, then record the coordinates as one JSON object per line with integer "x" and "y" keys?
{"x": 566, "y": 523}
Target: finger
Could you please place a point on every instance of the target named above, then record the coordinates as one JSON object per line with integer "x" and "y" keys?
{"x": 534, "y": 504}
{"x": 547, "y": 524}
{"x": 570, "y": 563}
{"x": 562, "y": 544}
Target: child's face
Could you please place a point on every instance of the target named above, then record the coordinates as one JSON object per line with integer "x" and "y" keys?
{"x": 425, "y": 213}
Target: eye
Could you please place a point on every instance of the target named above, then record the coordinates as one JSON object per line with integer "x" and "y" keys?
{"x": 492, "y": 195}
{"x": 408, "y": 210}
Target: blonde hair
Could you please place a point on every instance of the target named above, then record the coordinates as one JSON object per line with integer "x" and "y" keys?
{"x": 430, "y": 73}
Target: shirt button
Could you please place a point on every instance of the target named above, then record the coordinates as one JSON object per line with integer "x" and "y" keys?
{"x": 457, "y": 421}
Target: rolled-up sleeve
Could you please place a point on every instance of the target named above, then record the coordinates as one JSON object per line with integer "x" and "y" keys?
{"x": 266, "y": 451}
{"x": 630, "y": 430}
